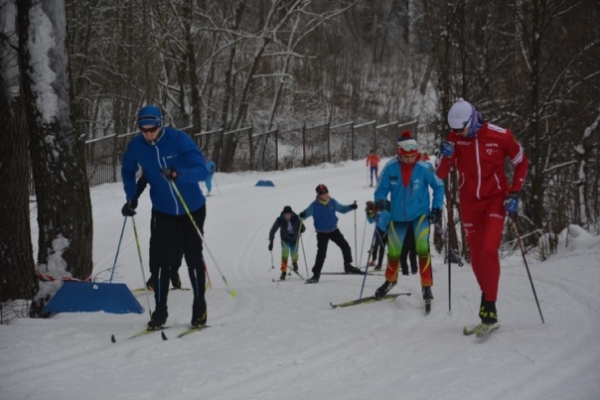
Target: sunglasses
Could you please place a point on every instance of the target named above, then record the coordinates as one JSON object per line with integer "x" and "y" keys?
{"x": 150, "y": 130}
{"x": 459, "y": 130}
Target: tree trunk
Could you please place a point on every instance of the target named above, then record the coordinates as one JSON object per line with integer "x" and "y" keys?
{"x": 56, "y": 150}
{"x": 17, "y": 272}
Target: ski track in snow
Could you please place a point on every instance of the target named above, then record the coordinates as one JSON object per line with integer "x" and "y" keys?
{"x": 283, "y": 340}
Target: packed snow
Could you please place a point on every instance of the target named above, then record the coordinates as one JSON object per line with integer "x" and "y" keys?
{"x": 282, "y": 340}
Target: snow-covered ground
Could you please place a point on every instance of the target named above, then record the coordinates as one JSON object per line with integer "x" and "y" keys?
{"x": 284, "y": 341}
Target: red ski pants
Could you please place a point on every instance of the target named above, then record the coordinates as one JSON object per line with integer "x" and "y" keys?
{"x": 483, "y": 222}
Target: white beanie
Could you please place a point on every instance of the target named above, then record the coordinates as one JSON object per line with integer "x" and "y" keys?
{"x": 459, "y": 114}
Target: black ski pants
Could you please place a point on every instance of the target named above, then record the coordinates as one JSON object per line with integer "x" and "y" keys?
{"x": 379, "y": 246}
{"x": 409, "y": 251}
{"x": 171, "y": 234}
{"x": 323, "y": 239}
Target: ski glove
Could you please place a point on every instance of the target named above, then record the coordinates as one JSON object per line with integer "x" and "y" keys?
{"x": 435, "y": 216}
{"x": 270, "y": 245}
{"x": 511, "y": 204}
{"x": 447, "y": 149}
{"x": 128, "y": 209}
{"x": 170, "y": 173}
{"x": 380, "y": 204}
{"x": 302, "y": 215}
{"x": 353, "y": 206}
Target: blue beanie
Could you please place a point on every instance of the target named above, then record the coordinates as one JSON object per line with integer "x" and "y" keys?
{"x": 149, "y": 115}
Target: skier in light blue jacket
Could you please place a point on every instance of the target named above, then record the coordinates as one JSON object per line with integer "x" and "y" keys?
{"x": 407, "y": 181}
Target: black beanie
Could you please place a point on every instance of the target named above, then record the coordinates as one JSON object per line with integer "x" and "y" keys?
{"x": 287, "y": 209}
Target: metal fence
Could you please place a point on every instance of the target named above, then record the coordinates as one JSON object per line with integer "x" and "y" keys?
{"x": 247, "y": 150}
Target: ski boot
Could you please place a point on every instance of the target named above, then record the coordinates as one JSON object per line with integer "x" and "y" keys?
{"x": 295, "y": 266}
{"x": 427, "y": 297}
{"x": 350, "y": 269}
{"x": 282, "y": 277}
{"x": 313, "y": 279}
{"x": 159, "y": 318}
{"x": 198, "y": 312}
{"x": 384, "y": 289}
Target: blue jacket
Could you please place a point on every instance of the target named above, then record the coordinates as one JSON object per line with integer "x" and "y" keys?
{"x": 324, "y": 216}
{"x": 211, "y": 166}
{"x": 381, "y": 219}
{"x": 412, "y": 201}
{"x": 175, "y": 149}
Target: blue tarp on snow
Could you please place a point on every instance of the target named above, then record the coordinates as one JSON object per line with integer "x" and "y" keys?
{"x": 115, "y": 298}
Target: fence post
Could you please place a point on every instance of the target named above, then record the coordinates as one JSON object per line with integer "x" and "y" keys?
{"x": 375, "y": 137}
{"x": 353, "y": 155}
{"x": 114, "y": 157}
{"x": 277, "y": 148}
{"x": 304, "y": 144}
{"x": 328, "y": 140}
{"x": 250, "y": 140}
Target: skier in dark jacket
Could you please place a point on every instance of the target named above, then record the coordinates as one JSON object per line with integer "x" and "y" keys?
{"x": 290, "y": 228}
{"x": 323, "y": 211}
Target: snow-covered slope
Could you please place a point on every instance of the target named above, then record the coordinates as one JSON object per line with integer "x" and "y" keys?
{"x": 283, "y": 340}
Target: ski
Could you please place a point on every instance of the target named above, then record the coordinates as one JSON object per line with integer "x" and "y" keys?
{"x": 480, "y": 330}
{"x": 140, "y": 333}
{"x": 350, "y": 273}
{"x": 189, "y": 331}
{"x": 289, "y": 274}
{"x": 139, "y": 290}
{"x": 370, "y": 299}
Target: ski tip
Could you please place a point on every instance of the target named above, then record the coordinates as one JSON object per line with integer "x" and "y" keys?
{"x": 233, "y": 293}
{"x": 333, "y": 305}
{"x": 112, "y": 339}
{"x": 164, "y": 337}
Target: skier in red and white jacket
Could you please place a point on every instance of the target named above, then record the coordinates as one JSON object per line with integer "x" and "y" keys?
{"x": 478, "y": 150}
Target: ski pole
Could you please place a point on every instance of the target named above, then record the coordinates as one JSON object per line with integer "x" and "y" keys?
{"x": 137, "y": 243}
{"x": 362, "y": 246}
{"x": 367, "y": 269}
{"x": 272, "y": 262}
{"x": 216, "y": 184}
{"x": 355, "y": 237}
{"x": 450, "y": 248}
{"x": 526, "y": 265}
{"x": 208, "y": 282}
{"x": 233, "y": 293}
{"x": 118, "y": 248}
{"x": 304, "y": 255}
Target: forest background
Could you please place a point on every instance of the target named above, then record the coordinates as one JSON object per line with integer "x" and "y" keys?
{"x": 73, "y": 71}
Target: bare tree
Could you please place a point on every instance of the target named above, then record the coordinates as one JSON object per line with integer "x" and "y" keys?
{"x": 61, "y": 186}
{"x": 16, "y": 253}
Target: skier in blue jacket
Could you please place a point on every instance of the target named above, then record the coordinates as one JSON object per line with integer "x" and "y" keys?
{"x": 169, "y": 159}
{"x": 407, "y": 181}
{"x": 381, "y": 217}
{"x": 212, "y": 168}
{"x": 323, "y": 211}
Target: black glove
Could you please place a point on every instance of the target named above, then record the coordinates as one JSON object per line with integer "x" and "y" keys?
{"x": 353, "y": 206}
{"x": 270, "y": 245}
{"x": 302, "y": 215}
{"x": 170, "y": 173}
{"x": 128, "y": 209}
{"x": 380, "y": 204}
{"x": 435, "y": 216}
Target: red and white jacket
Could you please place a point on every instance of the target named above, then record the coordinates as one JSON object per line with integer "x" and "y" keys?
{"x": 480, "y": 162}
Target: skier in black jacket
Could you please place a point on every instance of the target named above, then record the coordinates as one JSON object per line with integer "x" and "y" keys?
{"x": 290, "y": 231}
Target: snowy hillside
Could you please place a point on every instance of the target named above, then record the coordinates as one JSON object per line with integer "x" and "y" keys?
{"x": 283, "y": 340}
